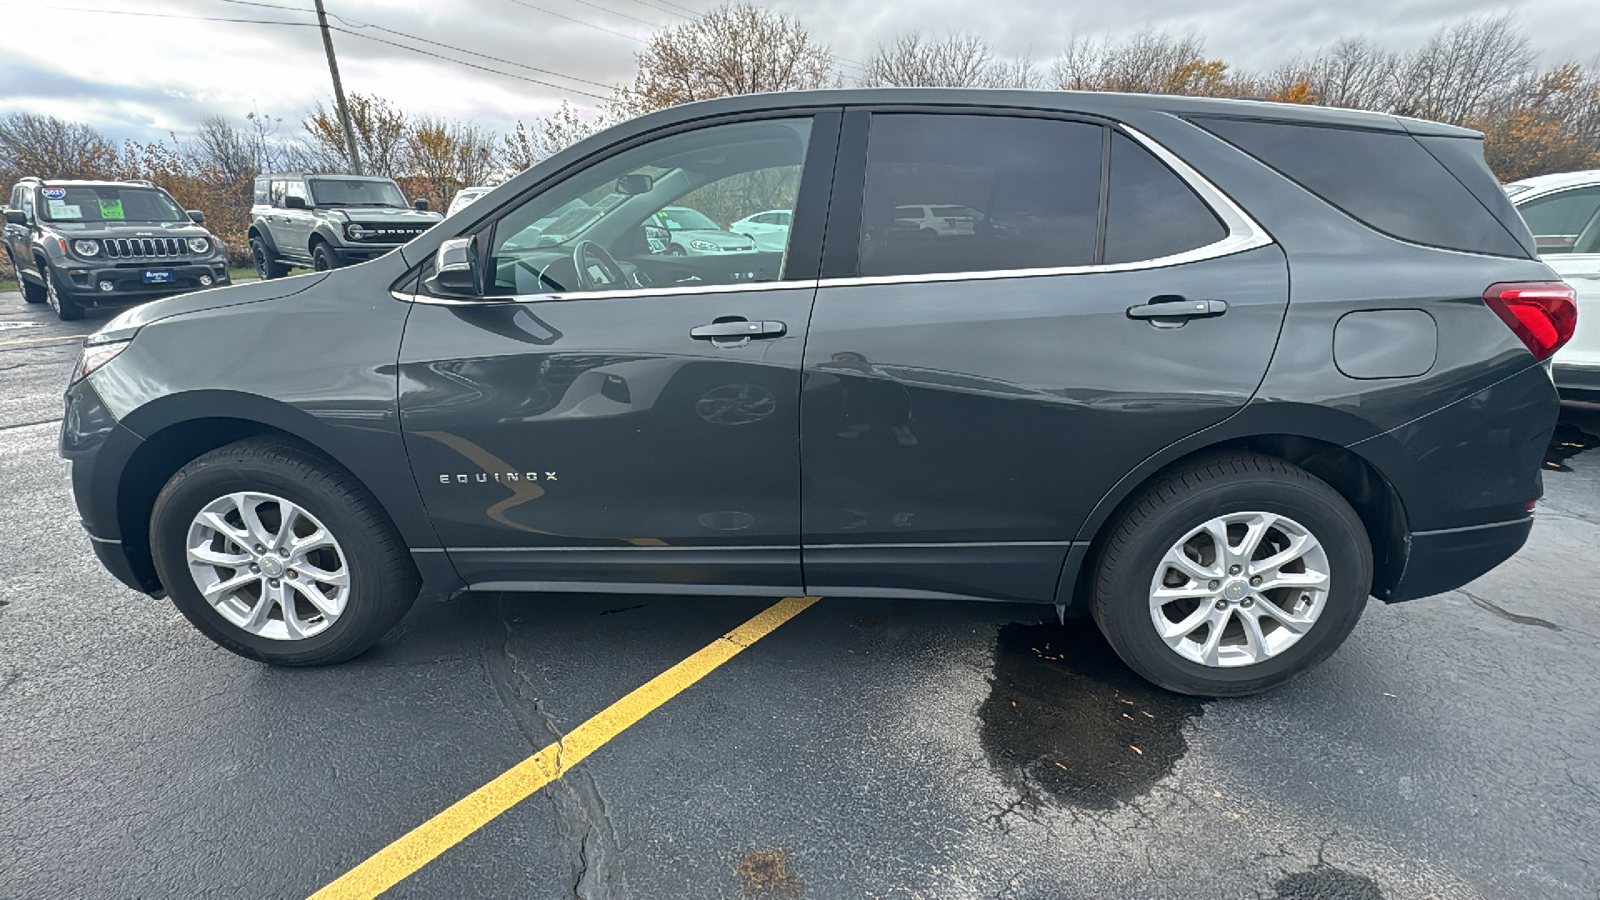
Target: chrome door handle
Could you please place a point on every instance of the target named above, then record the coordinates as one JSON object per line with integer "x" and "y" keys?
{"x": 1170, "y": 307}
{"x": 738, "y": 329}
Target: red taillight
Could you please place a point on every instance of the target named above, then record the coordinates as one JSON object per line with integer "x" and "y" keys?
{"x": 1542, "y": 313}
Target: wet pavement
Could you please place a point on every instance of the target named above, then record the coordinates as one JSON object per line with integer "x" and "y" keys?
{"x": 881, "y": 749}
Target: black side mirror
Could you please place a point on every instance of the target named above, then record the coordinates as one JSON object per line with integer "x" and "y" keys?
{"x": 420, "y": 204}
{"x": 196, "y": 216}
{"x": 293, "y": 202}
{"x": 16, "y": 217}
{"x": 632, "y": 185}
{"x": 455, "y": 269}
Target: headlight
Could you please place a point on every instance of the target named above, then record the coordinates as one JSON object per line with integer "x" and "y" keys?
{"x": 704, "y": 245}
{"x": 97, "y": 355}
{"x": 86, "y": 248}
{"x": 198, "y": 245}
{"x": 356, "y": 231}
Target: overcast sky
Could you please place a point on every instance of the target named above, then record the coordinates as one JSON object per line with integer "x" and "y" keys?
{"x": 141, "y": 76}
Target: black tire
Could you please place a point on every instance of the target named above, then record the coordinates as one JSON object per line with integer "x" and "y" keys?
{"x": 1181, "y": 501}
{"x": 67, "y": 309}
{"x": 383, "y": 580}
{"x": 31, "y": 293}
{"x": 323, "y": 259}
{"x": 267, "y": 268}
{"x": 676, "y": 250}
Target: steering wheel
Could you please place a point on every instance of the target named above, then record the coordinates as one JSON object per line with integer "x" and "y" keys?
{"x": 588, "y": 253}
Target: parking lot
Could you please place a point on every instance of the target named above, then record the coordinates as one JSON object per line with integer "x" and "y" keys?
{"x": 877, "y": 749}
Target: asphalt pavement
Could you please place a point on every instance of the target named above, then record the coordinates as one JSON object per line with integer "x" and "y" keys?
{"x": 862, "y": 750}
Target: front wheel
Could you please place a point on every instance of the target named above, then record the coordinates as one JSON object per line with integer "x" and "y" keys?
{"x": 1232, "y": 576}
{"x": 278, "y": 556}
{"x": 322, "y": 259}
{"x": 67, "y": 309}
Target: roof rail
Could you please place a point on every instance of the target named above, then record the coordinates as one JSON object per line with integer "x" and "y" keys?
{"x": 30, "y": 178}
{"x": 144, "y": 181}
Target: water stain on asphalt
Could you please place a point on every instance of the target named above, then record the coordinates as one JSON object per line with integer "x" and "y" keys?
{"x": 1066, "y": 720}
{"x": 1568, "y": 441}
{"x": 766, "y": 873}
{"x": 1325, "y": 882}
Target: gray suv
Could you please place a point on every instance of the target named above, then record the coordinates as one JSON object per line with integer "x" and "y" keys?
{"x": 328, "y": 221}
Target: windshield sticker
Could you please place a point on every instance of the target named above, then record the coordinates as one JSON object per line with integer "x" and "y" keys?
{"x": 61, "y": 210}
{"x": 111, "y": 209}
{"x": 53, "y": 193}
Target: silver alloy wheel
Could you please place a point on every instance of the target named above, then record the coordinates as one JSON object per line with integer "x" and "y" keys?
{"x": 50, "y": 292}
{"x": 1239, "y": 589}
{"x": 268, "y": 566}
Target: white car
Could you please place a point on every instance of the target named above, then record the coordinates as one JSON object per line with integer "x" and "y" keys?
{"x": 464, "y": 198}
{"x": 770, "y": 229}
{"x": 691, "y": 232}
{"x": 1563, "y": 212}
{"x": 940, "y": 220}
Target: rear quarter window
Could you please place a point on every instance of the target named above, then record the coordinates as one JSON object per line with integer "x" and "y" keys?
{"x": 1386, "y": 180}
{"x": 1151, "y": 212}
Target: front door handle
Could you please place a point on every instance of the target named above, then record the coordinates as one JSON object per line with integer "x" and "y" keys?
{"x": 1177, "y": 309}
{"x": 738, "y": 329}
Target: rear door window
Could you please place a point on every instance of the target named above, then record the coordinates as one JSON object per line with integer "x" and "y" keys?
{"x": 1151, "y": 213}
{"x": 1564, "y": 222}
{"x": 971, "y": 193}
{"x": 1384, "y": 179}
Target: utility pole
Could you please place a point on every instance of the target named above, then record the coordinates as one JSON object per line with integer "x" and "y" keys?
{"x": 338, "y": 93}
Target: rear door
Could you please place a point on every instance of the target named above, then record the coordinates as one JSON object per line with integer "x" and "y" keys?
{"x": 971, "y": 392}
{"x": 1566, "y": 228}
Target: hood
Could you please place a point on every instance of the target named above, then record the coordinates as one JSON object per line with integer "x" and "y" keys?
{"x": 126, "y": 324}
{"x": 727, "y": 240}
{"x": 127, "y": 229}
{"x": 391, "y": 215}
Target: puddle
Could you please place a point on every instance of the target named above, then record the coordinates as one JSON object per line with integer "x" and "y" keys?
{"x": 1568, "y": 441}
{"x": 1325, "y": 882}
{"x": 766, "y": 874}
{"x": 1065, "y": 720}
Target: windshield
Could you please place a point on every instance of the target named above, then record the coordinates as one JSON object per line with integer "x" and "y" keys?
{"x": 355, "y": 192}
{"x": 109, "y": 203}
{"x": 682, "y": 218}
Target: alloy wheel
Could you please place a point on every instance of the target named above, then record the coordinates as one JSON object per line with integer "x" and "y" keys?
{"x": 268, "y": 566}
{"x": 1239, "y": 589}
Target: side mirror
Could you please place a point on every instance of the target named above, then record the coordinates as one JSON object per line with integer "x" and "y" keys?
{"x": 196, "y": 216}
{"x": 657, "y": 238}
{"x": 420, "y": 204}
{"x": 455, "y": 268}
{"x": 16, "y": 217}
{"x": 292, "y": 202}
{"x": 632, "y": 185}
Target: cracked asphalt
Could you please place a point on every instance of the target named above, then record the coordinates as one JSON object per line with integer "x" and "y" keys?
{"x": 866, "y": 749}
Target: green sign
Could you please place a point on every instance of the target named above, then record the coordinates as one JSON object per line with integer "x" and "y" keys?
{"x": 111, "y": 209}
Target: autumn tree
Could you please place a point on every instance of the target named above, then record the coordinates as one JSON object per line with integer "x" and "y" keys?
{"x": 442, "y": 157}
{"x": 735, "y": 49}
{"x": 526, "y": 146}
{"x": 34, "y": 144}
{"x": 1149, "y": 61}
{"x": 959, "y": 59}
{"x": 381, "y": 131}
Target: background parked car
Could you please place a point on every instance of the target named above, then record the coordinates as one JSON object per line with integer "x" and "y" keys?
{"x": 770, "y": 229}
{"x": 76, "y": 244}
{"x": 1563, "y": 212}
{"x": 327, "y": 221}
{"x": 692, "y": 233}
{"x": 464, "y": 198}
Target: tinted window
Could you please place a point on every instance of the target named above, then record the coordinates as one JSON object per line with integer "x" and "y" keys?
{"x": 1565, "y": 222}
{"x": 1384, "y": 179}
{"x": 106, "y": 203}
{"x": 1150, "y": 211}
{"x": 959, "y": 193}
{"x": 1463, "y": 156}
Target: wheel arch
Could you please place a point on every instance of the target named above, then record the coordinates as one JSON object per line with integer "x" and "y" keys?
{"x": 1368, "y": 491}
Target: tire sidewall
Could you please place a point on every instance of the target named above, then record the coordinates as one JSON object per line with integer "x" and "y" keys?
{"x": 258, "y": 255}
{"x": 1122, "y": 603}
{"x": 322, "y": 259}
{"x": 206, "y": 480}
{"x": 66, "y": 308}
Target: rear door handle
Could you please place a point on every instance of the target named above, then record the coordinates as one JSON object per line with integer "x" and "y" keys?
{"x": 1167, "y": 307}
{"x": 738, "y": 329}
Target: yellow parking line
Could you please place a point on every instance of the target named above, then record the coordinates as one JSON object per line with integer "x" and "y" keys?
{"x": 387, "y": 867}
{"x": 53, "y": 337}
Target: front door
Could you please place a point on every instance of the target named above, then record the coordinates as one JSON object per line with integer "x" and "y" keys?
{"x": 600, "y": 416}
{"x": 973, "y": 389}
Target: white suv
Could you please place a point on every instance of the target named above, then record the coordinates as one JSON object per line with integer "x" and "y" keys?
{"x": 1563, "y": 212}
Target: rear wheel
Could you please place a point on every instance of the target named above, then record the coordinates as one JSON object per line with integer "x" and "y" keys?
{"x": 278, "y": 556}
{"x": 32, "y": 293}
{"x": 266, "y": 267}
{"x": 1232, "y": 576}
{"x": 67, "y": 309}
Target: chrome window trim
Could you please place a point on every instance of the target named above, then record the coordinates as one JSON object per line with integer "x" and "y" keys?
{"x": 1244, "y": 233}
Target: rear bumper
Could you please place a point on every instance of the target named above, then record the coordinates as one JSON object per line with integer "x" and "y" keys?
{"x": 1581, "y": 380}
{"x": 1440, "y": 561}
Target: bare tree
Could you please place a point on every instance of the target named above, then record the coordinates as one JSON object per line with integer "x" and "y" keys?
{"x": 442, "y": 157}
{"x": 1463, "y": 69}
{"x": 735, "y": 49}
{"x": 1355, "y": 73}
{"x": 33, "y": 144}
{"x": 381, "y": 128}
{"x": 960, "y": 59}
{"x": 524, "y": 146}
{"x": 1149, "y": 61}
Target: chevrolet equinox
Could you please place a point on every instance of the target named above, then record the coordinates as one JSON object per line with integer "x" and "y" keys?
{"x": 1213, "y": 372}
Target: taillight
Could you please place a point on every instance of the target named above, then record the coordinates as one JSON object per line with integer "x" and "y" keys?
{"x": 1542, "y": 313}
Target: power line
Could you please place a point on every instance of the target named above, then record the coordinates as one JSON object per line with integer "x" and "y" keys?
{"x": 356, "y": 23}
{"x": 615, "y": 13}
{"x": 579, "y": 21}
{"x": 462, "y": 62}
{"x": 151, "y": 15}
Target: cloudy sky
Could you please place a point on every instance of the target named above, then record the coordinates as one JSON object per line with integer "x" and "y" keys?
{"x": 143, "y": 75}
